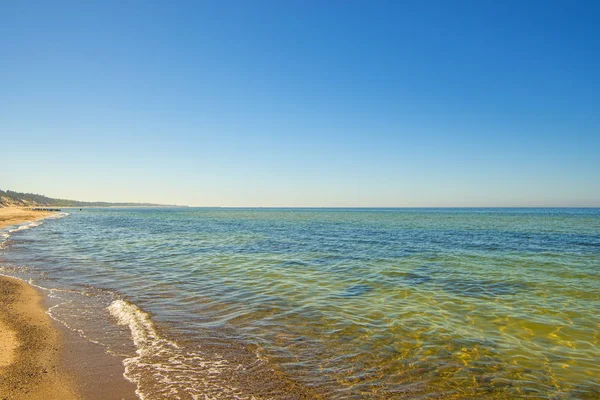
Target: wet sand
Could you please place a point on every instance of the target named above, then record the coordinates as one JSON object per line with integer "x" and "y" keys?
{"x": 30, "y": 347}
{"x": 97, "y": 374}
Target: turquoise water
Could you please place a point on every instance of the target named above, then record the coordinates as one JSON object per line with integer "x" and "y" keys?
{"x": 399, "y": 303}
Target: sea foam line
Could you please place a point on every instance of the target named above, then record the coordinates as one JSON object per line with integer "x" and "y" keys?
{"x": 27, "y": 225}
{"x": 4, "y": 235}
{"x": 38, "y": 222}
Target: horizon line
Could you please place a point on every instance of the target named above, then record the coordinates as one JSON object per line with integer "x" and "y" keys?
{"x": 332, "y": 207}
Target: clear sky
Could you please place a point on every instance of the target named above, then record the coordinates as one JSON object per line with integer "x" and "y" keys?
{"x": 302, "y": 103}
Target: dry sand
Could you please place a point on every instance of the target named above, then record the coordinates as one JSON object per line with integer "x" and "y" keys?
{"x": 15, "y": 215}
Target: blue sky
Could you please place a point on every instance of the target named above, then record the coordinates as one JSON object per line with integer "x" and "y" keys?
{"x": 302, "y": 103}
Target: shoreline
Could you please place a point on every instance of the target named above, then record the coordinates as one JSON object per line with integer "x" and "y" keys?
{"x": 40, "y": 358}
{"x": 60, "y": 362}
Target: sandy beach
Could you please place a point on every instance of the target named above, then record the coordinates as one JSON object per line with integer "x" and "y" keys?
{"x": 41, "y": 359}
{"x": 30, "y": 347}
{"x": 15, "y": 215}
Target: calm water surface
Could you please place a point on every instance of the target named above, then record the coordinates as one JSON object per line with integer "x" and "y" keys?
{"x": 406, "y": 303}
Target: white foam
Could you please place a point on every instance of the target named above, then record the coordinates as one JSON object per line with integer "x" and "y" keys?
{"x": 3, "y": 238}
{"x": 162, "y": 369}
{"x": 142, "y": 329}
{"x": 58, "y": 215}
{"x": 28, "y": 225}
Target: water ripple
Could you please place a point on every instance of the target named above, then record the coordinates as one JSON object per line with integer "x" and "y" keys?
{"x": 348, "y": 303}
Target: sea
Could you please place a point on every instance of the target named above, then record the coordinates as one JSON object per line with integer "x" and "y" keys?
{"x": 223, "y": 303}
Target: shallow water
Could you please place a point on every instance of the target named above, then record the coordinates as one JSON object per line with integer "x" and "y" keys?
{"x": 402, "y": 303}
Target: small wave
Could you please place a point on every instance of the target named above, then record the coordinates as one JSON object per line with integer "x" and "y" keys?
{"x": 142, "y": 329}
{"x": 28, "y": 225}
{"x": 162, "y": 369}
{"x": 4, "y": 235}
{"x": 58, "y": 215}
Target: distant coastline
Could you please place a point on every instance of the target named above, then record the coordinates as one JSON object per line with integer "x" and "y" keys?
{"x": 18, "y": 199}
